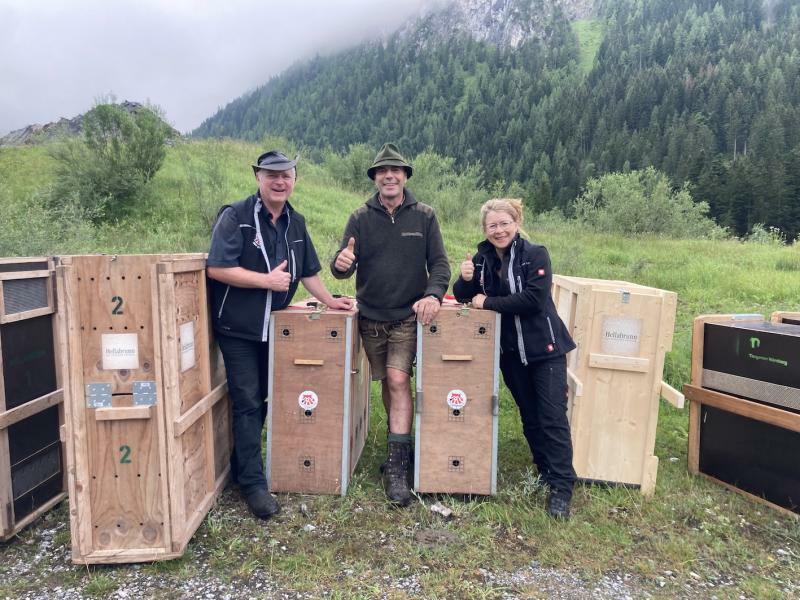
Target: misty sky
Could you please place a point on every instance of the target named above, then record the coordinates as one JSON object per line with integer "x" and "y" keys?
{"x": 58, "y": 57}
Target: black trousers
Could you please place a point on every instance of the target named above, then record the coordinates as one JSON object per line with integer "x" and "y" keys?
{"x": 540, "y": 391}
{"x": 247, "y": 367}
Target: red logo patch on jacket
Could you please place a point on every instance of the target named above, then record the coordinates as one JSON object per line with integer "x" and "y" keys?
{"x": 541, "y": 271}
{"x": 550, "y": 347}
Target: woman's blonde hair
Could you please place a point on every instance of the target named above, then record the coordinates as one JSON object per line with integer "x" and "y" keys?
{"x": 511, "y": 206}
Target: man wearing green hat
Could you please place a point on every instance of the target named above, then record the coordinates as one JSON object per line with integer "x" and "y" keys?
{"x": 394, "y": 246}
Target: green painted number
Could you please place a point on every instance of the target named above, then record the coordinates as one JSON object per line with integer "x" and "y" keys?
{"x": 117, "y": 310}
{"x": 125, "y": 459}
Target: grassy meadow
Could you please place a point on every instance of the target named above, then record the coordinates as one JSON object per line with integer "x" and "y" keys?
{"x": 693, "y": 538}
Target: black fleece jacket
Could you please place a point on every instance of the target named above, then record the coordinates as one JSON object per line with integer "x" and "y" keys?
{"x": 400, "y": 258}
{"x": 530, "y": 325}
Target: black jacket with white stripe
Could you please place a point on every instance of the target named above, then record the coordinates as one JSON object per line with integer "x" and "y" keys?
{"x": 519, "y": 289}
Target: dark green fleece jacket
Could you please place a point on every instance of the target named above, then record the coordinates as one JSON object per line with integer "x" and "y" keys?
{"x": 400, "y": 258}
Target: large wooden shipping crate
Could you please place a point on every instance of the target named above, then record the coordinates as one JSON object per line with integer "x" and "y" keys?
{"x": 623, "y": 332}
{"x": 744, "y": 419}
{"x": 457, "y": 402}
{"x": 147, "y": 417}
{"x": 32, "y": 478}
{"x": 319, "y": 387}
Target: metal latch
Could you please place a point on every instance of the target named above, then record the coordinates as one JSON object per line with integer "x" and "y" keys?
{"x": 144, "y": 393}
{"x": 98, "y": 395}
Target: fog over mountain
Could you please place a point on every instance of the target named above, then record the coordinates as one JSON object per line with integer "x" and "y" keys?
{"x": 188, "y": 57}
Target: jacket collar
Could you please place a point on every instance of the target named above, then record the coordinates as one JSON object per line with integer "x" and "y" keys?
{"x": 374, "y": 201}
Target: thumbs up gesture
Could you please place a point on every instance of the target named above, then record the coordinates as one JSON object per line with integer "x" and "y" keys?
{"x": 467, "y": 269}
{"x": 278, "y": 280}
{"x": 346, "y": 256}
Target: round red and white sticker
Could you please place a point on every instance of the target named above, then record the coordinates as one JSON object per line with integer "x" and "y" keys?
{"x": 456, "y": 399}
{"x": 308, "y": 400}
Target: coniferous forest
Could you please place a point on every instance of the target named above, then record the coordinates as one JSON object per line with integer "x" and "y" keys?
{"x": 705, "y": 91}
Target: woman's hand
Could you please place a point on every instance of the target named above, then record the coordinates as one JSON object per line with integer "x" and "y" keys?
{"x": 467, "y": 269}
{"x": 477, "y": 301}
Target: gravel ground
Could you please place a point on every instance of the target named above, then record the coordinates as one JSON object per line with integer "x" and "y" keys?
{"x": 37, "y": 552}
{"x": 132, "y": 582}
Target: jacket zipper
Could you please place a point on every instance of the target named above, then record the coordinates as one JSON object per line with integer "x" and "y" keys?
{"x": 517, "y": 322}
{"x": 552, "y": 335}
{"x": 268, "y": 304}
{"x": 222, "y": 305}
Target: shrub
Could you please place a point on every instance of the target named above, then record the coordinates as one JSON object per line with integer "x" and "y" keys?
{"x": 106, "y": 169}
{"x": 644, "y": 202}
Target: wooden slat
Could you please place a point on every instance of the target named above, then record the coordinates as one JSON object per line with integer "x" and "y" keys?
{"x": 308, "y": 362}
{"x": 190, "y": 417}
{"x": 693, "y": 455}
{"x": 77, "y": 454}
{"x": 28, "y": 314}
{"x": 182, "y": 266}
{"x": 24, "y": 275}
{"x": 123, "y": 413}
{"x": 27, "y": 520}
{"x": 750, "y": 496}
{"x": 33, "y": 407}
{"x": 576, "y": 383}
{"x": 671, "y": 395}
{"x": 618, "y": 363}
{"x": 744, "y": 408}
{"x": 6, "y": 495}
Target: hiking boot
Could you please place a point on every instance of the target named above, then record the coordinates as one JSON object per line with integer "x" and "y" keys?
{"x": 262, "y": 504}
{"x": 395, "y": 474}
{"x": 558, "y": 506}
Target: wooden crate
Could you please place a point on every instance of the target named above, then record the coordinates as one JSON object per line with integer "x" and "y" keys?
{"x": 319, "y": 386}
{"x": 32, "y": 474}
{"x": 792, "y": 318}
{"x": 147, "y": 425}
{"x": 623, "y": 332}
{"x": 744, "y": 415}
{"x": 457, "y": 402}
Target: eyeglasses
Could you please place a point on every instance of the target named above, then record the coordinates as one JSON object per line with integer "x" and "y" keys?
{"x": 504, "y": 225}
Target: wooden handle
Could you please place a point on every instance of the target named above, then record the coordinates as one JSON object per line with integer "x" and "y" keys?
{"x": 123, "y": 413}
{"x": 671, "y": 395}
{"x": 308, "y": 362}
{"x": 461, "y": 357}
{"x": 619, "y": 363}
{"x": 577, "y": 385}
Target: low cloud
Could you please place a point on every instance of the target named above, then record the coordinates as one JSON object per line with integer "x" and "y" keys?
{"x": 188, "y": 57}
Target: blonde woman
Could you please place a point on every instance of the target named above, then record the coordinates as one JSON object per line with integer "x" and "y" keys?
{"x": 512, "y": 276}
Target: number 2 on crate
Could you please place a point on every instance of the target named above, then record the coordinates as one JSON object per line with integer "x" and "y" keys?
{"x": 125, "y": 455}
{"x": 117, "y": 310}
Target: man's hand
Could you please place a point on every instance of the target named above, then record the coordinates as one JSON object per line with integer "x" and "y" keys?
{"x": 426, "y": 308}
{"x": 477, "y": 301}
{"x": 467, "y": 269}
{"x": 278, "y": 279}
{"x": 342, "y": 303}
{"x": 346, "y": 257}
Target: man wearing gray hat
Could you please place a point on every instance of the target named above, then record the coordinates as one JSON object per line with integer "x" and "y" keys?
{"x": 260, "y": 252}
{"x": 394, "y": 246}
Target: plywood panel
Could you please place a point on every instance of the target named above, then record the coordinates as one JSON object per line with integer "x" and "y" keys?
{"x": 313, "y": 353}
{"x": 142, "y": 477}
{"x": 623, "y": 332}
{"x": 456, "y": 447}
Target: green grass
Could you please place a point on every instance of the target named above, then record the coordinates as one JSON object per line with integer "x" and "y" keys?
{"x": 689, "y": 526}
{"x": 590, "y": 35}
